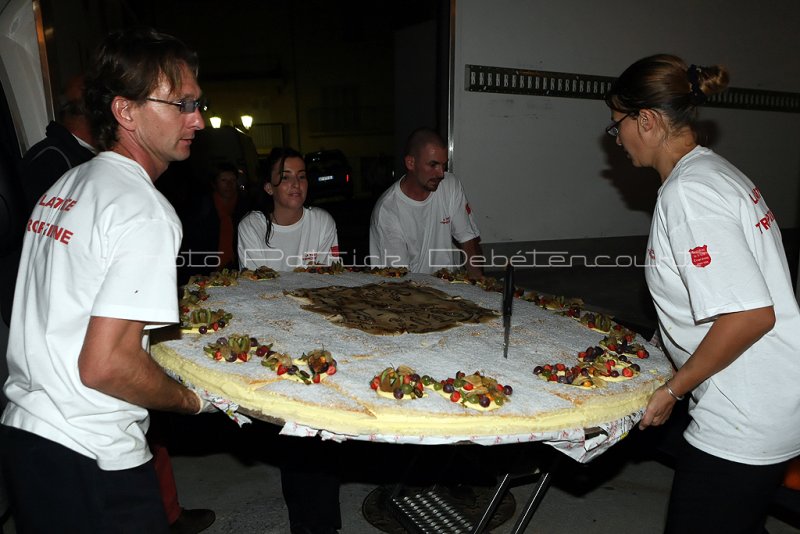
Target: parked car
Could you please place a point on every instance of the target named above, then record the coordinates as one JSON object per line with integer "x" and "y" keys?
{"x": 329, "y": 175}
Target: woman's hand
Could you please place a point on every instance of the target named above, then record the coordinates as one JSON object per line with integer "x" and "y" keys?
{"x": 659, "y": 408}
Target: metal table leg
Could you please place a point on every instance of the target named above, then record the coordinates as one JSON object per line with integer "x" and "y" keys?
{"x": 536, "y": 497}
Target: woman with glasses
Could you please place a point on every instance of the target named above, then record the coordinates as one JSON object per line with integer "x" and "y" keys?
{"x": 282, "y": 233}
{"x": 728, "y": 318}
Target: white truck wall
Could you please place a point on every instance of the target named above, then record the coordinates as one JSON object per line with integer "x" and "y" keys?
{"x": 542, "y": 168}
{"x": 21, "y": 72}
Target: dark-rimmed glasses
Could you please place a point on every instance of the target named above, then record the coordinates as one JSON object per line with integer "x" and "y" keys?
{"x": 184, "y": 105}
{"x": 613, "y": 130}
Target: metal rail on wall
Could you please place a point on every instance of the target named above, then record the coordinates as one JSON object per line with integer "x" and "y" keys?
{"x": 504, "y": 80}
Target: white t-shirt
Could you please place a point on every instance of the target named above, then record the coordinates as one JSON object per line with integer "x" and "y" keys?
{"x": 419, "y": 234}
{"x": 715, "y": 248}
{"x": 101, "y": 241}
{"x": 311, "y": 240}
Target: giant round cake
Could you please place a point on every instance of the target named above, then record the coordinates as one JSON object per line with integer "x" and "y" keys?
{"x": 347, "y": 403}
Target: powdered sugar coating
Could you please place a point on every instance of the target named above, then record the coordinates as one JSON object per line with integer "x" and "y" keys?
{"x": 345, "y": 404}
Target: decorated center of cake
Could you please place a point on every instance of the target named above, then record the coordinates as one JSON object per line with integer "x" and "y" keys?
{"x": 391, "y": 308}
{"x": 312, "y": 349}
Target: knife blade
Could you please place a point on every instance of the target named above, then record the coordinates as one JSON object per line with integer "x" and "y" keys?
{"x": 508, "y": 303}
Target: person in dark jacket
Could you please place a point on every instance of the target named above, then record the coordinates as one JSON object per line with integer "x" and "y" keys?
{"x": 210, "y": 221}
{"x": 68, "y": 143}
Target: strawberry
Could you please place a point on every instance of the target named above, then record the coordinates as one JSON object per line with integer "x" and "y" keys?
{"x": 375, "y": 383}
{"x": 455, "y": 396}
{"x": 316, "y": 379}
{"x": 281, "y": 369}
{"x": 642, "y": 353}
{"x": 331, "y": 370}
{"x": 627, "y": 372}
{"x": 468, "y": 387}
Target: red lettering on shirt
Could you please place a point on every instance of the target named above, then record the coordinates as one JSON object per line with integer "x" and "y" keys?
{"x": 57, "y": 203}
{"x": 700, "y": 256}
{"x": 52, "y": 231}
{"x": 755, "y": 196}
{"x": 446, "y": 220}
{"x": 765, "y": 222}
{"x": 651, "y": 253}
{"x": 335, "y": 251}
{"x": 469, "y": 210}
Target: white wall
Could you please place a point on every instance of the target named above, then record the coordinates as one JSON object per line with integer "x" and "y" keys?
{"x": 541, "y": 168}
{"x": 20, "y": 71}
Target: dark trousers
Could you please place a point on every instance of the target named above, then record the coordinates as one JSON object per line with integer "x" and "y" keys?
{"x": 54, "y": 489}
{"x": 310, "y": 479}
{"x": 711, "y": 495}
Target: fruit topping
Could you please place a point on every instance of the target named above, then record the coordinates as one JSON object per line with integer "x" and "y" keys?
{"x": 401, "y": 383}
{"x": 319, "y": 362}
{"x": 474, "y": 391}
{"x": 205, "y": 320}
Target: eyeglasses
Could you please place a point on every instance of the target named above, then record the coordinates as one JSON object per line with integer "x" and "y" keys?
{"x": 184, "y": 105}
{"x": 613, "y": 130}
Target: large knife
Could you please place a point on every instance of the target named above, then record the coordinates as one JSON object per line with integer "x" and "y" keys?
{"x": 508, "y": 303}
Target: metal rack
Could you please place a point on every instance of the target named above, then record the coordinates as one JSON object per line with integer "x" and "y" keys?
{"x": 429, "y": 511}
{"x": 503, "y": 80}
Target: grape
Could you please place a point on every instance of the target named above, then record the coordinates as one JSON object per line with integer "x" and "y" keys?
{"x": 508, "y": 390}
{"x": 398, "y": 393}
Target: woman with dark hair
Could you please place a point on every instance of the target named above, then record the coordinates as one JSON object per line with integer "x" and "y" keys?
{"x": 718, "y": 275}
{"x": 281, "y": 233}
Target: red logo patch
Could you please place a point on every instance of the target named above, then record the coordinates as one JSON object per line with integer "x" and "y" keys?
{"x": 700, "y": 256}
{"x": 469, "y": 210}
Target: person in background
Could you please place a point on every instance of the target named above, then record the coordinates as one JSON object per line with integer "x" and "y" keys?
{"x": 68, "y": 143}
{"x": 417, "y": 220}
{"x": 97, "y": 272}
{"x": 281, "y": 233}
{"x": 718, "y": 276}
{"x": 210, "y": 235}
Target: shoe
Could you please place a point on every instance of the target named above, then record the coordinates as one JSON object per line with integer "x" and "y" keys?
{"x": 193, "y": 521}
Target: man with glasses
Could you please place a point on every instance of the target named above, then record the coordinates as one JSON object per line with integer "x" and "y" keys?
{"x": 97, "y": 272}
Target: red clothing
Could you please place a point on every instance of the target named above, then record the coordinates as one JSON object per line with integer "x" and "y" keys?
{"x": 225, "y": 209}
